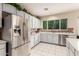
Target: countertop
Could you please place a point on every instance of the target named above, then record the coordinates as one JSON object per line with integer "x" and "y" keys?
{"x": 2, "y": 42}
{"x": 62, "y": 33}
{"x": 74, "y": 42}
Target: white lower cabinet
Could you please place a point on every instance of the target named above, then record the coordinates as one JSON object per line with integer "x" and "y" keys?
{"x": 44, "y": 37}
{"x": 55, "y": 38}
{"x": 34, "y": 40}
{"x": 2, "y": 48}
{"x": 3, "y": 52}
{"x": 71, "y": 51}
{"x": 49, "y": 37}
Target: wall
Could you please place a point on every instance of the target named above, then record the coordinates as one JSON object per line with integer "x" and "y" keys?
{"x": 71, "y": 16}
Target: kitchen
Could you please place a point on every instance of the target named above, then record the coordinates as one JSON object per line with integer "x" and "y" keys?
{"x": 54, "y": 32}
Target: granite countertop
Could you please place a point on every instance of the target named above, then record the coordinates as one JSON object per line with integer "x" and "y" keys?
{"x": 74, "y": 42}
{"x": 2, "y": 42}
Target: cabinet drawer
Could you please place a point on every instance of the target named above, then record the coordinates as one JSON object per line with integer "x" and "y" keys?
{"x": 3, "y": 52}
{"x": 71, "y": 36}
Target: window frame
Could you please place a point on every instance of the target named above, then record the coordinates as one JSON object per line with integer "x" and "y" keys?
{"x": 59, "y": 23}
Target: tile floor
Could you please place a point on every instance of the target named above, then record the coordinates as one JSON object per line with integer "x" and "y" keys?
{"x": 44, "y": 49}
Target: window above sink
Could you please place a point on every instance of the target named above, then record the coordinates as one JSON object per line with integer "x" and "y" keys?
{"x": 55, "y": 24}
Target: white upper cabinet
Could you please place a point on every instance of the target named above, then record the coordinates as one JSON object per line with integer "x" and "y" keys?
{"x": 36, "y": 23}
{"x": 26, "y": 16}
{"x": 8, "y": 8}
{"x": 0, "y": 7}
{"x": 14, "y": 17}
{"x": 0, "y": 19}
{"x": 20, "y": 13}
{"x": 77, "y": 26}
{"x": 31, "y": 21}
{"x": 0, "y": 15}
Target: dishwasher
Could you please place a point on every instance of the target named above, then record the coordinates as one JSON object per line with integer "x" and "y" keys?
{"x": 62, "y": 39}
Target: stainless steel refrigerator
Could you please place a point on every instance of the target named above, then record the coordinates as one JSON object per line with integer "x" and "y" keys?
{"x": 15, "y": 32}
{"x": 20, "y": 42}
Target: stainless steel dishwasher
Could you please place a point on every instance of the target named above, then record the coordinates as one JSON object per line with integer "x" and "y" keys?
{"x": 62, "y": 39}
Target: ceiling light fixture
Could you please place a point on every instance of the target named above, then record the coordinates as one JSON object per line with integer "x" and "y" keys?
{"x": 46, "y": 9}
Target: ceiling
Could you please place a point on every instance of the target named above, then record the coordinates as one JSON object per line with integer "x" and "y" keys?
{"x": 45, "y": 9}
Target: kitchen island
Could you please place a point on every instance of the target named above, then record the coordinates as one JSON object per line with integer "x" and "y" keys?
{"x": 72, "y": 45}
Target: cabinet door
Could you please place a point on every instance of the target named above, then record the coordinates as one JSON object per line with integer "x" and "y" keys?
{"x": 44, "y": 37}
{"x": 36, "y": 23}
{"x": 55, "y": 38}
{"x": 77, "y": 26}
{"x": 32, "y": 41}
{"x": 20, "y": 13}
{"x": 0, "y": 19}
{"x": 50, "y": 38}
{"x": 37, "y": 39}
{"x": 3, "y": 52}
{"x": 8, "y": 8}
{"x": 31, "y": 22}
{"x": 0, "y": 7}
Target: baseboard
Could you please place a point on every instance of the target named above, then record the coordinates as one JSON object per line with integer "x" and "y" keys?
{"x": 53, "y": 43}
{"x": 35, "y": 45}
